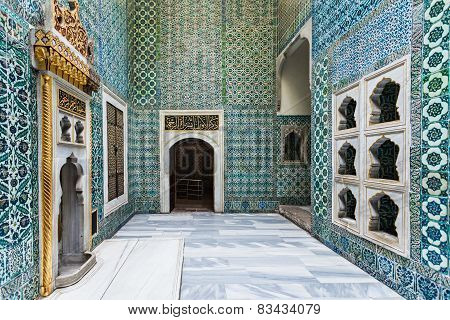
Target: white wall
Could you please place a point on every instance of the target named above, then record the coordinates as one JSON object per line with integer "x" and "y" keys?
{"x": 295, "y": 85}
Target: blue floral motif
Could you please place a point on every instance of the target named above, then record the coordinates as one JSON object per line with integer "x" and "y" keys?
{"x": 436, "y": 109}
{"x": 435, "y": 236}
{"x": 436, "y": 10}
{"x": 435, "y": 258}
{"x": 435, "y": 184}
{"x": 435, "y": 208}
{"x": 436, "y": 85}
{"x": 427, "y": 289}
{"x": 436, "y": 59}
{"x": 436, "y": 35}
{"x": 369, "y": 257}
{"x": 435, "y": 134}
{"x": 386, "y": 266}
{"x": 435, "y": 159}
{"x": 405, "y": 277}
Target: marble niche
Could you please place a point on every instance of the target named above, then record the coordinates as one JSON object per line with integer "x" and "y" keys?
{"x": 71, "y": 258}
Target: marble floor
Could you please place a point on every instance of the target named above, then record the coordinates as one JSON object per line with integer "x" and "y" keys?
{"x": 255, "y": 256}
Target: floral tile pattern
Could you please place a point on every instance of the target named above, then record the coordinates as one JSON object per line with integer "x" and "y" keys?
{"x": 206, "y": 55}
{"x": 327, "y": 13}
{"x": 424, "y": 274}
{"x": 293, "y": 179}
{"x": 18, "y": 159}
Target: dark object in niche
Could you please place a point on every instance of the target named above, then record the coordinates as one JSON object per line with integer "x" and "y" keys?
{"x": 347, "y": 109}
{"x": 65, "y": 127}
{"x": 348, "y": 155}
{"x": 384, "y": 98}
{"x": 385, "y": 153}
{"x": 79, "y": 128}
{"x": 348, "y": 204}
{"x": 385, "y": 214}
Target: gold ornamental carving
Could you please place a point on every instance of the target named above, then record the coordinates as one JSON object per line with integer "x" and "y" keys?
{"x": 71, "y": 104}
{"x": 67, "y": 22}
{"x": 46, "y": 185}
{"x": 54, "y": 55}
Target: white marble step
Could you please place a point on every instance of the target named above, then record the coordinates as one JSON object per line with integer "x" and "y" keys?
{"x": 131, "y": 269}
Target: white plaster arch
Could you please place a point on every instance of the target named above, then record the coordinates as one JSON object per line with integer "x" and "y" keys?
{"x": 169, "y": 138}
{"x": 304, "y": 36}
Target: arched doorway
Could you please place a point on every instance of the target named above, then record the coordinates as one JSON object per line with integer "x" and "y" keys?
{"x": 191, "y": 176}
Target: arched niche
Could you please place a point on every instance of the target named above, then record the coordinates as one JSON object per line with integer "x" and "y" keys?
{"x": 347, "y": 204}
{"x": 294, "y": 75}
{"x": 384, "y": 160}
{"x": 347, "y": 155}
{"x": 71, "y": 217}
{"x": 295, "y": 144}
{"x": 384, "y": 214}
{"x": 347, "y": 110}
{"x": 384, "y": 102}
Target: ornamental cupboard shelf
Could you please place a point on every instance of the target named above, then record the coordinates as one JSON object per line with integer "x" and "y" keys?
{"x": 347, "y": 158}
{"x": 71, "y": 119}
{"x": 346, "y": 206}
{"x": 294, "y": 145}
{"x": 370, "y": 153}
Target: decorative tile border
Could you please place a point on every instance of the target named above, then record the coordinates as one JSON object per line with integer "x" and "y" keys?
{"x": 435, "y": 148}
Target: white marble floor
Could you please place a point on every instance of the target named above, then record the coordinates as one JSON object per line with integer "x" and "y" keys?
{"x": 131, "y": 269}
{"x": 256, "y": 256}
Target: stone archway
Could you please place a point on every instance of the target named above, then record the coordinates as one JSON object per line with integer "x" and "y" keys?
{"x": 213, "y": 138}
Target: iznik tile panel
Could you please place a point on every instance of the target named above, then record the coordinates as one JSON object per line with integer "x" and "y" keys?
{"x": 425, "y": 273}
{"x": 19, "y": 244}
{"x": 293, "y": 179}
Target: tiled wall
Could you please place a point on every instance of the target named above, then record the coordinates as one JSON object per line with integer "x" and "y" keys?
{"x": 19, "y": 243}
{"x": 435, "y": 170}
{"x": 292, "y": 15}
{"x": 334, "y": 18}
{"x": 207, "y": 55}
{"x": 379, "y": 32}
{"x": 144, "y": 77}
{"x": 293, "y": 180}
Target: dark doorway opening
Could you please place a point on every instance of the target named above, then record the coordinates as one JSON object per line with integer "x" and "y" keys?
{"x": 191, "y": 176}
